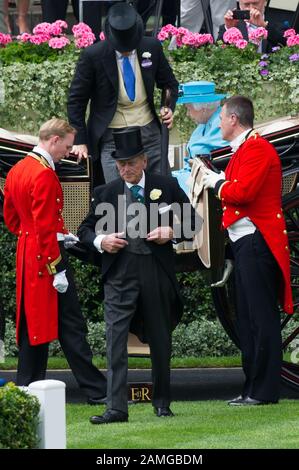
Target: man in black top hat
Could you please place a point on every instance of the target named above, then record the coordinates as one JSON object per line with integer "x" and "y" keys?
{"x": 118, "y": 76}
{"x": 141, "y": 290}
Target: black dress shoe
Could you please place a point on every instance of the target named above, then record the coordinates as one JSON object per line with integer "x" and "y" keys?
{"x": 236, "y": 401}
{"x": 254, "y": 402}
{"x": 163, "y": 411}
{"x": 110, "y": 416}
{"x": 96, "y": 400}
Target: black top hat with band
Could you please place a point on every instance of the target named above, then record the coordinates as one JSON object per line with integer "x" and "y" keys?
{"x": 123, "y": 27}
{"x": 128, "y": 143}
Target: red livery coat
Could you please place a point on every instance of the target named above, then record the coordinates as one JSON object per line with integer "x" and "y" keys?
{"x": 253, "y": 189}
{"x": 33, "y": 207}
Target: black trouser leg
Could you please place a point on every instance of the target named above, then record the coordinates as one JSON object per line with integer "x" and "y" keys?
{"x": 157, "y": 297}
{"x": 53, "y": 10}
{"x": 121, "y": 294}
{"x": 72, "y": 333}
{"x": 258, "y": 318}
{"x": 32, "y": 363}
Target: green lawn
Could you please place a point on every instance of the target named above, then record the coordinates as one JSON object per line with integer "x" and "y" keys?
{"x": 140, "y": 363}
{"x": 197, "y": 425}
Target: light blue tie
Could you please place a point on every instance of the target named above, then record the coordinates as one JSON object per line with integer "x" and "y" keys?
{"x": 129, "y": 78}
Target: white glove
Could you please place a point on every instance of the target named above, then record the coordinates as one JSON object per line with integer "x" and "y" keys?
{"x": 70, "y": 240}
{"x": 60, "y": 282}
{"x": 210, "y": 178}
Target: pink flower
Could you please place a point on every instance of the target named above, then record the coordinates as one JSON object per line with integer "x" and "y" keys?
{"x": 102, "y": 36}
{"x": 232, "y": 35}
{"x": 289, "y": 32}
{"x": 85, "y": 40}
{"x": 59, "y": 43}
{"x": 5, "y": 39}
{"x": 61, "y": 23}
{"x": 241, "y": 43}
{"x": 256, "y": 35}
{"x": 55, "y": 29}
{"x": 189, "y": 39}
{"x": 203, "y": 39}
{"x": 170, "y": 29}
{"x": 24, "y": 37}
{"x": 181, "y": 31}
{"x": 293, "y": 40}
{"x": 42, "y": 28}
{"x": 39, "y": 38}
{"x": 80, "y": 29}
{"x": 162, "y": 35}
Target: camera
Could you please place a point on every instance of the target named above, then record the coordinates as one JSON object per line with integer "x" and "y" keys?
{"x": 241, "y": 14}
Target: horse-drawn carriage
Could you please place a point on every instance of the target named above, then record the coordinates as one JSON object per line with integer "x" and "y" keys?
{"x": 76, "y": 181}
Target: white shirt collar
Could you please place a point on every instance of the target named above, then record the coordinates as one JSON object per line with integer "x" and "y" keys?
{"x": 235, "y": 144}
{"x": 119, "y": 55}
{"x": 46, "y": 155}
{"x": 141, "y": 182}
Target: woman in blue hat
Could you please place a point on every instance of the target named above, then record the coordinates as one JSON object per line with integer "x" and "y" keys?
{"x": 203, "y": 107}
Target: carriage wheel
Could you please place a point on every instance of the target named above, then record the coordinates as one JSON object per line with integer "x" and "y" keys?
{"x": 224, "y": 299}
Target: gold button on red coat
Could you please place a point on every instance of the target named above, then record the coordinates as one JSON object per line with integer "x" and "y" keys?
{"x": 40, "y": 274}
{"x": 279, "y": 216}
{"x": 237, "y": 213}
{"x": 58, "y": 200}
{"x": 38, "y": 256}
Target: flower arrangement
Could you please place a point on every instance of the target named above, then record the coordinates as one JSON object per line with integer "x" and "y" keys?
{"x": 47, "y": 42}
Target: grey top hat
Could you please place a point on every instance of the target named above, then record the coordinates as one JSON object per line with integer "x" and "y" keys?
{"x": 123, "y": 27}
{"x": 128, "y": 143}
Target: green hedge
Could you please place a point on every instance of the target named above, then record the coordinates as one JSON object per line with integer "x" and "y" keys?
{"x": 18, "y": 418}
{"x": 36, "y": 81}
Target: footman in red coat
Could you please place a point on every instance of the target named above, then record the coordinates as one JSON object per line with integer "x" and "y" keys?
{"x": 47, "y": 303}
{"x": 250, "y": 192}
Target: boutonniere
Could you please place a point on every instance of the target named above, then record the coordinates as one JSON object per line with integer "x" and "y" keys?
{"x": 155, "y": 194}
{"x": 146, "y": 62}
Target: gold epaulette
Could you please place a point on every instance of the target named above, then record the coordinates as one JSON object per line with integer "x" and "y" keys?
{"x": 51, "y": 267}
{"x": 40, "y": 159}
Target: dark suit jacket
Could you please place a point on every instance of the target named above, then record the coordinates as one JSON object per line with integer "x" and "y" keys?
{"x": 96, "y": 79}
{"x": 171, "y": 193}
{"x": 275, "y": 35}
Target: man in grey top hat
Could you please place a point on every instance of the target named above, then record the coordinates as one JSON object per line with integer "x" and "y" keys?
{"x": 118, "y": 76}
{"x": 141, "y": 290}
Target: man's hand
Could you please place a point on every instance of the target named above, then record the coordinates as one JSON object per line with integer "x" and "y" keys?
{"x": 114, "y": 242}
{"x": 70, "y": 240}
{"x": 160, "y": 235}
{"x": 210, "y": 178}
{"x": 229, "y": 20}
{"x": 257, "y": 18}
{"x": 60, "y": 282}
{"x": 167, "y": 116}
{"x": 80, "y": 151}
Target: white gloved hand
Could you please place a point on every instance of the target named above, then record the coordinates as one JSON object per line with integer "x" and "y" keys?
{"x": 60, "y": 282}
{"x": 210, "y": 178}
{"x": 70, "y": 240}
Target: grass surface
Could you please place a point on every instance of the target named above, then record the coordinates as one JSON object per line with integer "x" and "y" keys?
{"x": 139, "y": 363}
{"x": 197, "y": 425}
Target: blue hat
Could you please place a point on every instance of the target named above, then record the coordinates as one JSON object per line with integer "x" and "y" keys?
{"x": 198, "y": 92}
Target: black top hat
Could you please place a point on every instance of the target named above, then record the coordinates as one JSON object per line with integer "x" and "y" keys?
{"x": 123, "y": 27}
{"x": 128, "y": 143}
